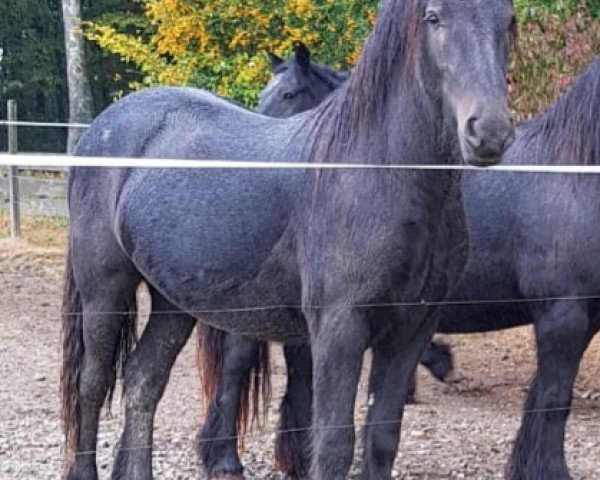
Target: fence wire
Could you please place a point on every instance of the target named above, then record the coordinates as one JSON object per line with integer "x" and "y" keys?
{"x": 64, "y": 161}
{"x": 355, "y": 426}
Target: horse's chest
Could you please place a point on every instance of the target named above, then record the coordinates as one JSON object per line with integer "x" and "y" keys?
{"x": 439, "y": 253}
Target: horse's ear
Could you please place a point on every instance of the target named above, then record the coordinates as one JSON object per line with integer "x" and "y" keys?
{"x": 302, "y": 54}
{"x": 275, "y": 60}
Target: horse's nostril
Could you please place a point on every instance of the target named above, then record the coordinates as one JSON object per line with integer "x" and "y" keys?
{"x": 471, "y": 126}
{"x": 471, "y": 134}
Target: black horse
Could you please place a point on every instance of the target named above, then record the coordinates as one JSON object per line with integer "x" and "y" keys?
{"x": 298, "y": 84}
{"x": 235, "y": 369}
{"x": 301, "y": 255}
{"x": 533, "y": 236}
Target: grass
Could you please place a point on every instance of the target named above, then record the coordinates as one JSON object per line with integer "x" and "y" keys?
{"x": 37, "y": 230}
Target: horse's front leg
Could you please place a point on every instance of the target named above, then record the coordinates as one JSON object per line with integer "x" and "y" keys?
{"x": 562, "y": 335}
{"x": 339, "y": 339}
{"x": 292, "y": 446}
{"x": 145, "y": 377}
{"x": 396, "y": 351}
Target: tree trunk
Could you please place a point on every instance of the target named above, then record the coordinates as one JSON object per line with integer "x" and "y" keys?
{"x": 80, "y": 97}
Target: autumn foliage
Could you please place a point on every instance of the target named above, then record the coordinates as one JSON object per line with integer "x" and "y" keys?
{"x": 220, "y": 44}
{"x": 554, "y": 47}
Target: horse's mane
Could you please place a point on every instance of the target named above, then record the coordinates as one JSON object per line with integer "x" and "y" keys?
{"x": 569, "y": 131}
{"x": 346, "y": 116}
{"x": 331, "y": 77}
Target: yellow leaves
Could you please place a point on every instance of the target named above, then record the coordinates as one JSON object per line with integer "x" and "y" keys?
{"x": 299, "y": 34}
{"x": 240, "y": 39}
{"x": 220, "y": 44}
{"x": 301, "y": 8}
{"x": 371, "y": 17}
{"x": 352, "y": 57}
{"x": 253, "y": 71}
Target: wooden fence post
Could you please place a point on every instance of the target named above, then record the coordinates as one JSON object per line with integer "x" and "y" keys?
{"x": 15, "y": 218}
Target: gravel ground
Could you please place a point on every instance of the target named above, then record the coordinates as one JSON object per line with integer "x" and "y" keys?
{"x": 461, "y": 429}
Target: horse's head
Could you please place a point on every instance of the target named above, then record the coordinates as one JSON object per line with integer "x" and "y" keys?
{"x": 466, "y": 48}
{"x": 296, "y": 85}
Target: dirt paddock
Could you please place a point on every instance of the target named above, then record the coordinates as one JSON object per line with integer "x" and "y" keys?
{"x": 460, "y": 429}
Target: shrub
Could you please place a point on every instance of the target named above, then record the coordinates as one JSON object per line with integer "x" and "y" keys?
{"x": 554, "y": 47}
{"x": 220, "y": 45}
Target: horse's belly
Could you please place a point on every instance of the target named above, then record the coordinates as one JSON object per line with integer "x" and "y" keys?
{"x": 215, "y": 247}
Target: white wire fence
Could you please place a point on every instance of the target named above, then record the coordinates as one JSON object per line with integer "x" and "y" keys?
{"x": 22, "y": 193}
{"x": 44, "y": 191}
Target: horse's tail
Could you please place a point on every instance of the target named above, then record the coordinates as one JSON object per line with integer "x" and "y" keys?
{"x": 256, "y": 383}
{"x": 73, "y": 350}
{"x": 73, "y": 354}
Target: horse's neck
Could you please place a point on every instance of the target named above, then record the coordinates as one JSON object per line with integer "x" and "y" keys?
{"x": 410, "y": 128}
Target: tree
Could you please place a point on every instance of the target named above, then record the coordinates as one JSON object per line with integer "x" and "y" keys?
{"x": 31, "y": 70}
{"x": 220, "y": 44}
{"x": 80, "y": 96}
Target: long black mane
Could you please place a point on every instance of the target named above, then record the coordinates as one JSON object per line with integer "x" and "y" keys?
{"x": 348, "y": 115}
{"x": 569, "y": 131}
{"x": 331, "y": 77}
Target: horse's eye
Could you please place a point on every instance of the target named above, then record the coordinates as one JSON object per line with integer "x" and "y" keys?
{"x": 432, "y": 17}
{"x": 289, "y": 95}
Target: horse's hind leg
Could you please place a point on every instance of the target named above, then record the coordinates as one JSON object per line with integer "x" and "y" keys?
{"x": 217, "y": 441}
{"x": 292, "y": 445}
{"x": 95, "y": 338}
{"x": 437, "y": 358}
{"x": 395, "y": 358}
{"x": 562, "y": 335}
{"x": 144, "y": 380}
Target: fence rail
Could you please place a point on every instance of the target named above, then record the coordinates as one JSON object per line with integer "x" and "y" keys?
{"x": 47, "y": 196}
{"x": 23, "y": 193}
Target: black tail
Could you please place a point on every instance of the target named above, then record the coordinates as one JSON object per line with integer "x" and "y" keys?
{"x": 73, "y": 350}
{"x": 73, "y": 354}
{"x": 256, "y": 384}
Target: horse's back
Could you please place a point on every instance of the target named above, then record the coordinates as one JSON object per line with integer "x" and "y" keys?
{"x": 170, "y": 122}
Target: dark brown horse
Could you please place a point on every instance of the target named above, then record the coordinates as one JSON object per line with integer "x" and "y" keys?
{"x": 292, "y": 255}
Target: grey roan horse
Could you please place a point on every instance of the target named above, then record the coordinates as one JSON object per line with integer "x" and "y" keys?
{"x": 298, "y": 84}
{"x": 235, "y": 369}
{"x": 535, "y": 236}
{"x": 221, "y": 245}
